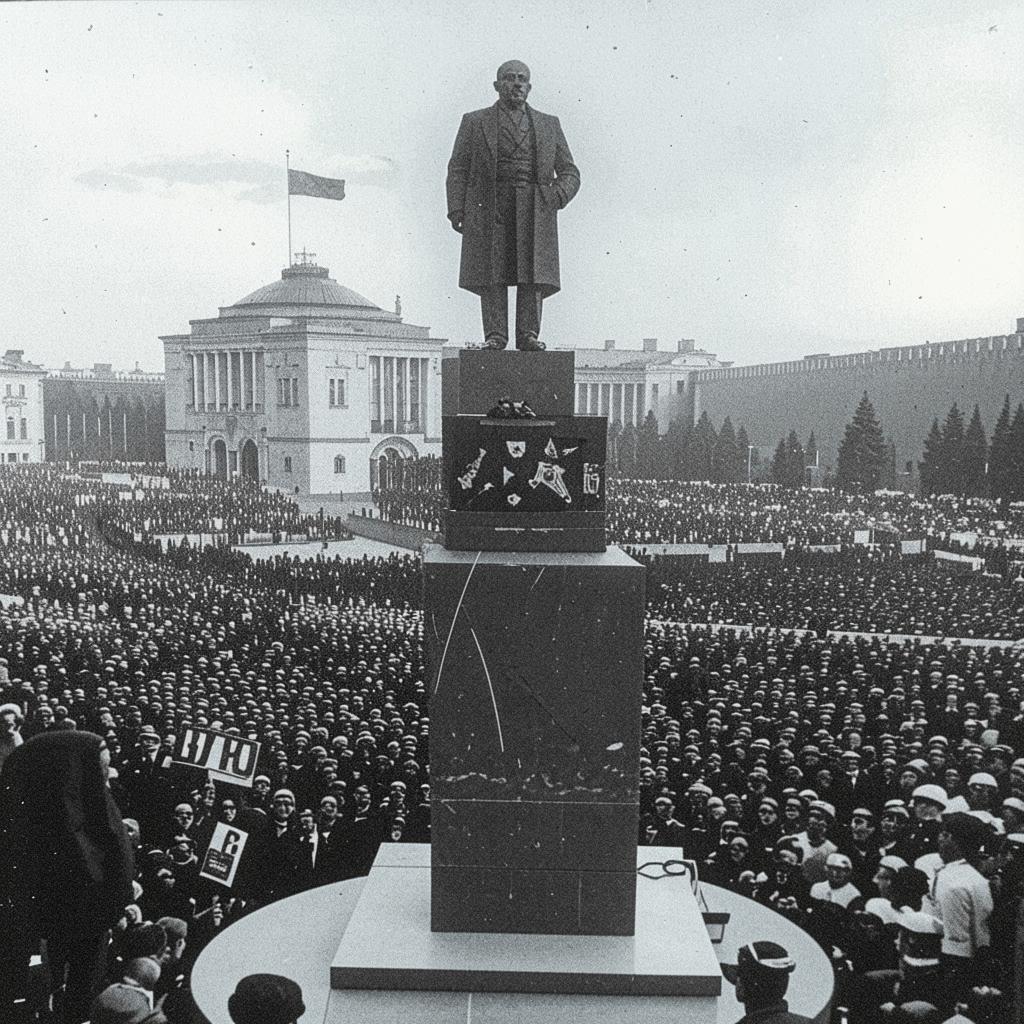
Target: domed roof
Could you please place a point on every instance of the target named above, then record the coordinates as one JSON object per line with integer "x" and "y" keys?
{"x": 305, "y": 290}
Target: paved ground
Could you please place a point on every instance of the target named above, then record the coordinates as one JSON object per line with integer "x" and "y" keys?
{"x": 355, "y": 548}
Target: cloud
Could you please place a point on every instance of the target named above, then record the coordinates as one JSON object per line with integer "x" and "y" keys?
{"x": 101, "y": 180}
{"x": 265, "y": 181}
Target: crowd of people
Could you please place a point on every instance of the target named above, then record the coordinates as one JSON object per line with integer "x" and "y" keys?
{"x": 827, "y": 777}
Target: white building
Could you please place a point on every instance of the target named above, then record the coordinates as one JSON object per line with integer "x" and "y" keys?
{"x": 303, "y": 384}
{"x": 626, "y": 384}
{"x": 21, "y": 391}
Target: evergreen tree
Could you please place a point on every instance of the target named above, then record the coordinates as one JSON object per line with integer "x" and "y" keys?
{"x": 1000, "y": 468}
{"x": 628, "y": 462}
{"x": 676, "y": 440}
{"x": 952, "y": 451}
{"x": 647, "y": 447}
{"x": 975, "y": 456}
{"x": 862, "y": 453}
{"x": 614, "y": 430}
{"x": 727, "y": 463}
{"x": 930, "y": 466}
{"x": 788, "y": 462}
{"x": 1015, "y": 474}
{"x": 702, "y": 448}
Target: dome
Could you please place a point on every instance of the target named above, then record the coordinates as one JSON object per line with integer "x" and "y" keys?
{"x": 306, "y": 290}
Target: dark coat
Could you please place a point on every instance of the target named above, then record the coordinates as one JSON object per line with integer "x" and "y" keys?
{"x": 65, "y": 859}
{"x": 471, "y": 189}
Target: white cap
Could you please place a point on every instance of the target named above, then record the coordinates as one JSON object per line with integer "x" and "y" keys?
{"x": 932, "y": 793}
{"x": 982, "y": 779}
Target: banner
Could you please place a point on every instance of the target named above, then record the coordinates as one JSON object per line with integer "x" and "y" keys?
{"x": 226, "y": 757}
{"x": 221, "y": 860}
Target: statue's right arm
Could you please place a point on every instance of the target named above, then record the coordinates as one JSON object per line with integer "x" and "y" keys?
{"x": 458, "y": 173}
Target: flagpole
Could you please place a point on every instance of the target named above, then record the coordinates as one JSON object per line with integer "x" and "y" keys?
{"x": 287, "y": 168}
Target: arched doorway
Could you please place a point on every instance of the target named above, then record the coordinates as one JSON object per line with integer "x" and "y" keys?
{"x": 386, "y": 461}
{"x": 249, "y": 461}
{"x": 220, "y": 459}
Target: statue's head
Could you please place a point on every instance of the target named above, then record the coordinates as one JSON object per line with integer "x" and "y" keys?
{"x": 512, "y": 83}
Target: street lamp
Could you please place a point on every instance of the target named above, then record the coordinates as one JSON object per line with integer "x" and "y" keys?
{"x": 750, "y": 456}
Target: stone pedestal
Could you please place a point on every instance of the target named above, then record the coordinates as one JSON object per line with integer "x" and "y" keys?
{"x": 477, "y": 379}
{"x": 524, "y": 485}
{"x": 388, "y": 944}
{"x": 535, "y": 671}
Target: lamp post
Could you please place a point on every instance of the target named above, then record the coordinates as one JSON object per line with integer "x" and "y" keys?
{"x": 750, "y": 457}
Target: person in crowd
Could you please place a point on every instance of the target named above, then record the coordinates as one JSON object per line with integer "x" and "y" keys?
{"x": 761, "y": 978}
{"x": 266, "y": 999}
{"x": 837, "y": 888}
{"x": 962, "y": 900}
{"x": 11, "y": 721}
{"x": 66, "y": 866}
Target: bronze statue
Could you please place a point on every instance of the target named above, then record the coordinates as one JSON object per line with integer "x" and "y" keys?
{"x": 510, "y": 173}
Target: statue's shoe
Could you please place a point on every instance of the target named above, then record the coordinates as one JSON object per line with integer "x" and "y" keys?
{"x": 495, "y": 342}
{"x": 530, "y": 343}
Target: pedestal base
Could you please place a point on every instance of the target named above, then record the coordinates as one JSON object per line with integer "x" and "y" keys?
{"x": 389, "y": 945}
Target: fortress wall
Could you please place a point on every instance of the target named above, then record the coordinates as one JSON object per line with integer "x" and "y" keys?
{"x": 908, "y": 387}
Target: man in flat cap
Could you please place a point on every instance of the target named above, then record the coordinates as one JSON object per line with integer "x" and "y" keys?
{"x": 510, "y": 173}
{"x": 761, "y": 976}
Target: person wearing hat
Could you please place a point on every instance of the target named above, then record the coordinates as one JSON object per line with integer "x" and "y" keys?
{"x": 837, "y": 888}
{"x": 960, "y": 897}
{"x": 124, "y": 1004}
{"x": 1012, "y": 813}
{"x": 893, "y": 827}
{"x": 928, "y": 801}
{"x": 814, "y": 841}
{"x": 761, "y": 977}
{"x": 663, "y": 829}
{"x": 885, "y": 875}
{"x": 266, "y": 999}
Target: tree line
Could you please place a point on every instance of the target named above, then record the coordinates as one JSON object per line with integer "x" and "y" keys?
{"x": 957, "y": 458}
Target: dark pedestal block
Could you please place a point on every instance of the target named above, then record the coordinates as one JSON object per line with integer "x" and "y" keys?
{"x": 535, "y": 672}
{"x": 475, "y": 382}
{"x": 524, "y": 485}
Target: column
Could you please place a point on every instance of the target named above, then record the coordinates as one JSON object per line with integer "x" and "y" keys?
{"x": 206, "y": 380}
{"x": 394, "y": 392}
{"x": 216, "y": 381}
{"x": 250, "y": 401}
{"x": 380, "y": 392}
{"x": 195, "y": 381}
{"x": 622, "y": 404}
{"x": 230, "y": 402}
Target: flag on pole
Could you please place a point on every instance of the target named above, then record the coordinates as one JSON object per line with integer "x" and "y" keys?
{"x": 300, "y": 183}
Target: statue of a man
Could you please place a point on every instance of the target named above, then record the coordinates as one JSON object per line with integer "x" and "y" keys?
{"x": 510, "y": 173}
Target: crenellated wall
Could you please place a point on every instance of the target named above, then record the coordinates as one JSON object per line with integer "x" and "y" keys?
{"x": 908, "y": 387}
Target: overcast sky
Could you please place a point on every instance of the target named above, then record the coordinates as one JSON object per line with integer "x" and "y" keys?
{"x": 770, "y": 179}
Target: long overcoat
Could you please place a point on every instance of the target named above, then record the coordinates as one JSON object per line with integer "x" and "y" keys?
{"x": 471, "y": 189}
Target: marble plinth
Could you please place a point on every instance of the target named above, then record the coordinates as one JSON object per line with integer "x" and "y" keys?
{"x": 476, "y": 380}
{"x": 535, "y": 671}
{"x": 389, "y": 944}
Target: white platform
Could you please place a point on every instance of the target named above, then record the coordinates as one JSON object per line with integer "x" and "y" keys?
{"x": 389, "y": 945}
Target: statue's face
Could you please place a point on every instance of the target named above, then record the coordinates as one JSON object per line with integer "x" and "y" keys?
{"x": 513, "y": 83}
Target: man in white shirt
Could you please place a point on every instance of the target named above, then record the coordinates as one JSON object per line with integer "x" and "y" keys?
{"x": 837, "y": 888}
{"x": 960, "y": 897}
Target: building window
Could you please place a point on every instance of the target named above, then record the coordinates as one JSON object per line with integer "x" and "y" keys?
{"x": 24, "y": 457}
{"x": 191, "y": 446}
{"x": 21, "y": 390}
{"x": 8, "y": 390}
{"x": 339, "y": 463}
{"x": 24, "y": 429}
{"x": 288, "y": 392}
{"x": 287, "y": 463}
{"x": 336, "y": 392}
{"x": 12, "y": 457}
{"x": 10, "y": 428}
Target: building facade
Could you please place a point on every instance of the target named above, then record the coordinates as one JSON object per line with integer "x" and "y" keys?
{"x": 908, "y": 386}
{"x": 626, "y": 384}
{"x": 21, "y": 391}
{"x": 102, "y": 414}
{"x": 305, "y": 385}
